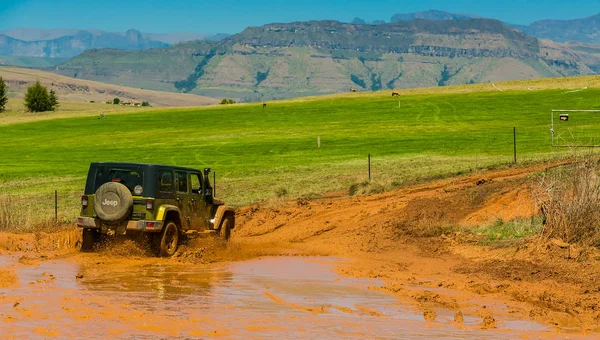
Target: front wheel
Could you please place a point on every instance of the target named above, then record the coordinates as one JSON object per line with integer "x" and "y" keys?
{"x": 225, "y": 229}
{"x": 169, "y": 240}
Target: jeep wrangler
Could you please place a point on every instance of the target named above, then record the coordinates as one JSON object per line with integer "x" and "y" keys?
{"x": 161, "y": 200}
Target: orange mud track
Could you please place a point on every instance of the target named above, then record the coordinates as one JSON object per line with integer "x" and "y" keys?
{"x": 390, "y": 237}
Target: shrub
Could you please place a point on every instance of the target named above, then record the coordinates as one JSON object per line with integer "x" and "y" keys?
{"x": 365, "y": 188}
{"x": 227, "y": 101}
{"x": 3, "y": 94}
{"x": 116, "y": 101}
{"x": 53, "y": 98}
{"x": 281, "y": 192}
{"x": 37, "y": 98}
{"x": 145, "y": 103}
{"x": 570, "y": 203}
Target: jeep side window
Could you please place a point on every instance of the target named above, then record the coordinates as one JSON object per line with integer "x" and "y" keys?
{"x": 165, "y": 181}
{"x": 196, "y": 183}
{"x": 181, "y": 181}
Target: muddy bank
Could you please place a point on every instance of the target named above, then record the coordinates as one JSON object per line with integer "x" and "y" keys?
{"x": 400, "y": 237}
{"x": 441, "y": 277}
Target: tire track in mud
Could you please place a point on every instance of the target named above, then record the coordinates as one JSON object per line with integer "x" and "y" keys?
{"x": 321, "y": 309}
{"x": 262, "y": 233}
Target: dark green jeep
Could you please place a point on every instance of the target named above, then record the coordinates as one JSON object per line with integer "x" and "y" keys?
{"x": 164, "y": 201}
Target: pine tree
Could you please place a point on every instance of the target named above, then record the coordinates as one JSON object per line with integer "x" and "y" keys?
{"x": 53, "y": 98}
{"x": 3, "y": 93}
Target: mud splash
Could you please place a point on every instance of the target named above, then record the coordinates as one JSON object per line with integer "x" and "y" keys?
{"x": 281, "y": 297}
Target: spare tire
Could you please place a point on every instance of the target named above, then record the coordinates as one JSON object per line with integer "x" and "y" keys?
{"x": 113, "y": 202}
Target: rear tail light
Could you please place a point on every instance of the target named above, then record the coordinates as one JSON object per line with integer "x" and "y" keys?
{"x": 149, "y": 225}
{"x": 84, "y": 201}
{"x": 149, "y": 204}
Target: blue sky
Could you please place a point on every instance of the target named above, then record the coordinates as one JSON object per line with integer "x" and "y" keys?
{"x": 232, "y": 16}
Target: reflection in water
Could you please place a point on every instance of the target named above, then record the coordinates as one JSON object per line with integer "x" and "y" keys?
{"x": 163, "y": 282}
{"x": 281, "y": 297}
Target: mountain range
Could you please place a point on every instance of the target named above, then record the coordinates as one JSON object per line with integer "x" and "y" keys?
{"x": 281, "y": 60}
{"x": 67, "y": 43}
{"x": 318, "y": 57}
{"x": 585, "y": 30}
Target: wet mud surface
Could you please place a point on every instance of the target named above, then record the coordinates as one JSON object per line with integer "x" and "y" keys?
{"x": 296, "y": 297}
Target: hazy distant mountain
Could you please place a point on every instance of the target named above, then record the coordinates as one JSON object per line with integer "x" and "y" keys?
{"x": 174, "y": 38}
{"x": 427, "y": 15}
{"x": 360, "y": 21}
{"x": 586, "y": 30}
{"x": 71, "y": 45}
{"x": 66, "y": 43}
{"x": 34, "y": 34}
{"x": 318, "y": 57}
{"x": 430, "y": 15}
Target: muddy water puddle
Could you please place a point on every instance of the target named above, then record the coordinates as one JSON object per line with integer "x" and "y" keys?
{"x": 273, "y": 297}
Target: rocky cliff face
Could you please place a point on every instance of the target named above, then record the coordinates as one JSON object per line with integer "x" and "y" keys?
{"x": 306, "y": 58}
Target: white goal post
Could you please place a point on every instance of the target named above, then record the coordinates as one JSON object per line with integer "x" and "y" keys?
{"x": 564, "y": 116}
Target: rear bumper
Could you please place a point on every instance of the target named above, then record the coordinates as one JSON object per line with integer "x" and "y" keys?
{"x": 141, "y": 225}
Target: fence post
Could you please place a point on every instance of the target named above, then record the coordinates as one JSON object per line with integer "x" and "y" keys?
{"x": 515, "y": 143}
{"x": 369, "y": 161}
{"x": 55, "y": 206}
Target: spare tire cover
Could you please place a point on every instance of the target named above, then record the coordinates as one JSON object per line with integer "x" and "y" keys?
{"x": 113, "y": 202}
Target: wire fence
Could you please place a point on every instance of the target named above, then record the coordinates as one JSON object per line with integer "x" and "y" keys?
{"x": 398, "y": 165}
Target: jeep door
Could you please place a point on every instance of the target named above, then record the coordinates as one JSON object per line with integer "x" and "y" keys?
{"x": 183, "y": 197}
{"x": 201, "y": 213}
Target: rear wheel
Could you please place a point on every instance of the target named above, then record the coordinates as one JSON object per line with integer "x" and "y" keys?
{"x": 89, "y": 238}
{"x": 169, "y": 240}
{"x": 225, "y": 229}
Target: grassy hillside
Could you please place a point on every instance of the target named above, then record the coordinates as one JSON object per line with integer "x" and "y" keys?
{"x": 70, "y": 89}
{"x": 155, "y": 69}
{"x": 260, "y": 154}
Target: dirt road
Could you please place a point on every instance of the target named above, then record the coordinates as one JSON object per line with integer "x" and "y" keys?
{"x": 402, "y": 267}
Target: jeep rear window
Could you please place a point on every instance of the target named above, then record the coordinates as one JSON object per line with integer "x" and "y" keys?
{"x": 128, "y": 177}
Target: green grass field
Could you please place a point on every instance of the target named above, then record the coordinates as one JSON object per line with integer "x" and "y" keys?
{"x": 260, "y": 154}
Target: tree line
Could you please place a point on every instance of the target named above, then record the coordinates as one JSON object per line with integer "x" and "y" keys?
{"x": 37, "y": 98}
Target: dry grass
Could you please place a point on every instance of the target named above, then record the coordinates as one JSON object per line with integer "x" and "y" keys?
{"x": 567, "y": 83}
{"x": 16, "y": 113}
{"x": 20, "y": 215}
{"x": 366, "y": 187}
{"x": 79, "y": 90}
{"x": 570, "y": 202}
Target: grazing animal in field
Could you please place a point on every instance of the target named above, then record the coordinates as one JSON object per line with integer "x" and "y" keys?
{"x": 395, "y": 93}
{"x": 352, "y": 89}
{"x": 264, "y": 105}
